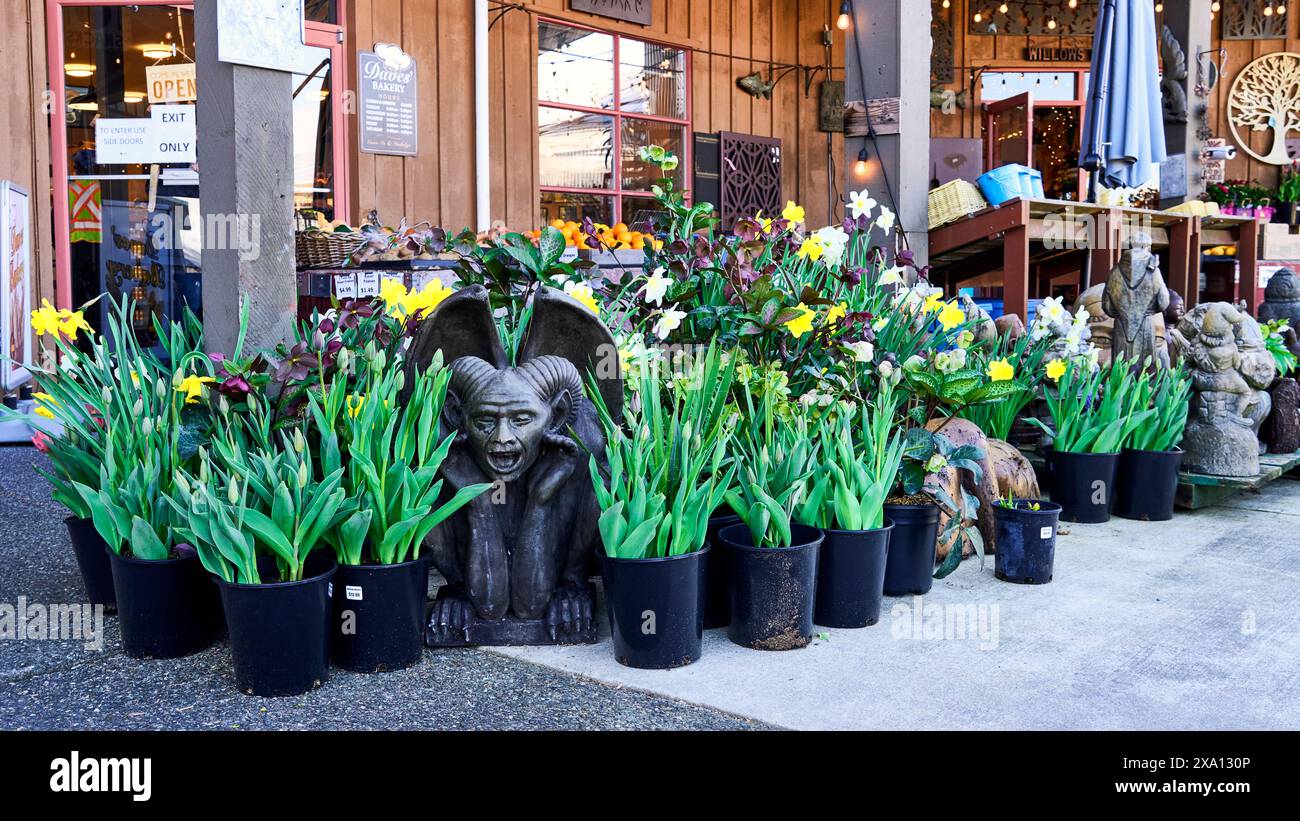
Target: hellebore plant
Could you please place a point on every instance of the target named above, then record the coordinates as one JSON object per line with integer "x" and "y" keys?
{"x": 667, "y": 477}
{"x": 857, "y": 465}
{"x": 928, "y": 454}
{"x": 391, "y": 459}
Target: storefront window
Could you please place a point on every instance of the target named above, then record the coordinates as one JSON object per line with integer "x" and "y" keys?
{"x": 313, "y": 136}
{"x": 600, "y": 98}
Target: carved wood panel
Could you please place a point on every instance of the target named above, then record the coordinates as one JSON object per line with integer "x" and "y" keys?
{"x": 751, "y": 176}
{"x": 1040, "y": 17}
{"x": 942, "y": 37}
{"x": 1246, "y": 20}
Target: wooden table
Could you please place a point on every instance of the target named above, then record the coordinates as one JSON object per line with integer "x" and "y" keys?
{"x": 1033, "y": 232}
{"x": 1243, "y": 232}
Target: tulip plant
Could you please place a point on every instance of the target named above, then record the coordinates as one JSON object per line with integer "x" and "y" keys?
{"x": 857, "y": 465}
{"x": 389, "y": 455}
{"x": 1165, "y": 393}
{"x": 1091, "y": 409}
{"x": 667, "y": 477}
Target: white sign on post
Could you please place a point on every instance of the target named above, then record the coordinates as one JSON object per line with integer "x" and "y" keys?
{"x": 167, "y": 136}
{"x": 265, "y": 34}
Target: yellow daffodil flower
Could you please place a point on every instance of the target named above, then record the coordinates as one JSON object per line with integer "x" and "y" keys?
{"x": 933, "y": 302}
{"x": 1056, "y": 369}
{"x": 764, "y": 222}
{"x": 1000, "y": 370}
{"x": 811, "y": 248}
{"x": 803, "y": 323}
{"x": 793, "y": 213}
{"x": 583, "y": 294}
{"x": 421, "y": 303}
{"x": 45, "y": 319}
{"x": 72, "y": 321}
{"x": 836, "y": 313}
{"x": 951, "y": 316}
{"x": 192, "y": 387}
{"x": 44, "y": 400}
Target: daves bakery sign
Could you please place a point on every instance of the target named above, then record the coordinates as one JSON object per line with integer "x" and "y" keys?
{"x": 387, "y": 101}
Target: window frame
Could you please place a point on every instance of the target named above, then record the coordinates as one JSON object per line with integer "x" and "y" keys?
{"x": 617, "y": 193}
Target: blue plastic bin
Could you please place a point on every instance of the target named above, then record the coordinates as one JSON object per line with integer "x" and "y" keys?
{"x": 1002, "y": 184}
{"x": 1031, "y": 182}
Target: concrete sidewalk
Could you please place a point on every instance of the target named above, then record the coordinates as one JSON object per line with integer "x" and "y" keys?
{"x": 1189, "y": 624}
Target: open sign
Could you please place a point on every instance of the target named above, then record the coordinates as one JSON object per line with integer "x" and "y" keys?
{"x": 171, "y": 84}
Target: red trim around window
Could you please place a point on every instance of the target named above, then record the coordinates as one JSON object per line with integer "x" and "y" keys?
{"x": 617, "y": 192}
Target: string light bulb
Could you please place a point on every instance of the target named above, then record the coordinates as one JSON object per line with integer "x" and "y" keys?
{"x": 1215, "y": 6}
{"x": 978, "y": 17}
{"x": 860, "y": 167}
{"x": 1160, "y": 7}
{"x": 1003, "y": 8}
{"x": 846, "y": 12}
{"x": 1051, "y": 24}
{"x": 947, "y": 4}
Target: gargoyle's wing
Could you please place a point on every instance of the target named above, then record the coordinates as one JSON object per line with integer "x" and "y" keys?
{"x": 562, "y": 326}
{"x": 461, "y": 325}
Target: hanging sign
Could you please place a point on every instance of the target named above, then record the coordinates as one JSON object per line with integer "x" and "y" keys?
{"x": 629, "y": 11}
{"x": 167, "y": 135}
{"x": 1058, "y": 54}
{"x": 171, "y": 84}
{"x": 265, "y": 34}
{"x": 386, "y": 98}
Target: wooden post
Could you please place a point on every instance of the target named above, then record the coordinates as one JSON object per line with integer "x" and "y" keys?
{"x": 1180, "y": 256}
{"x": 887, "y": 34}
{"x": 1193, "y": 295}
{"x": 1248, "y": 264}
{"x": 1189, "y": 21}
{"x": 245, "y": 151}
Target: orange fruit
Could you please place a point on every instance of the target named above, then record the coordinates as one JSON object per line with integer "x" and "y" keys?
{"x": 638, "y": 244}
{"x": 557, "y": 223}
{"x": 620, "y": 228}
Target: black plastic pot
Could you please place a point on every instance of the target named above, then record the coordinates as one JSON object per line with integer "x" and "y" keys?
{"x": 280, "y": 632}
{"x": 656, "y": 609}
{"x": 92, "y": 557}
{"x": 1026, "y": 542}
{"x": 773, "y": 589}
{"x": 379, "y": 615}
{"x": 717, "y": 601}
{"x": 1083, "y": 484}
{"x": 1146, "y": 482}
{"x": 913, "y": 546}
{"x": 851, "y": 577}
{"x": 165, "y": 609}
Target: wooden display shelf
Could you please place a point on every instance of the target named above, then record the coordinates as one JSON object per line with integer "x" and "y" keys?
{"x": 1196, "y": 490}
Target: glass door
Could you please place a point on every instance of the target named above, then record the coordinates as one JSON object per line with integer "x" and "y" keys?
{"x": 1008, "y": 130}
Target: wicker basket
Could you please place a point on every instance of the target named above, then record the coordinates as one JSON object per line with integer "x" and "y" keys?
{"x": 953, "y": 201}
{"x": 314, "y": 248}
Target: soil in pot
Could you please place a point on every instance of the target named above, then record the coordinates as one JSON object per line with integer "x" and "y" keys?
{"x": 773, "y": 589}
{"x": 1026, "y": 540}
{"x": 717, "y": 602}
{"x": 166, "y": 609}
{"x": 379, "y": 615}
{"x": 280, "y": 631}
{"x": 1083, "y": 484}
{"x": 1146, "y": 482}
{"x": 92, "y": 558}
{"x": 655, "y": 609}
{"x": 913, "y": 545}
{"x": 851, "y": 577}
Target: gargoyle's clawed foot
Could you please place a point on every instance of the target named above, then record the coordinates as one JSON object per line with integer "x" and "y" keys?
{"x": 451, "y": 615}
{"x": 569, "y": 612}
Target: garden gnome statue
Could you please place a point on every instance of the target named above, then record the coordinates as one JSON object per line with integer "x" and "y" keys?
{"x": 1134, "y": 292}
{"x": 516, "y": 558}
{"x": 1231, "y": 370}
{"x": 1282, "y": 298}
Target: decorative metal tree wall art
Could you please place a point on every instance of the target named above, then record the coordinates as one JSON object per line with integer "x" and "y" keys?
{"x": 1246, "y": 20}
{"x": 1044, "y": 17}
{"x": 1266, "y": 97}
{"x": 751, "y": 176}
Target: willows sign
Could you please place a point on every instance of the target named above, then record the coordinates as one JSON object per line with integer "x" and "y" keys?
{"x": 630, "y": 11}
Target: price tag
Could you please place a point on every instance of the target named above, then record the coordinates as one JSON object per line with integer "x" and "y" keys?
{"x": 1045, "y": 533}
{"x": 368, "y": 283}
{"x": 393, "y": 276}
{"x": 353, "y": 592}
{"x": 345, "y": 286}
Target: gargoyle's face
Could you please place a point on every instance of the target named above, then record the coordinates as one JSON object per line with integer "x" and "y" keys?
{"x": 506, "y": 427}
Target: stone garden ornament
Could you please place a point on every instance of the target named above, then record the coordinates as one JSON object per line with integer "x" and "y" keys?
{"x": 1282, "y": 298}
{"x": 1135, "y": 292}
{"x": 1231, "y": 369}
{"x": 517, "y": 558}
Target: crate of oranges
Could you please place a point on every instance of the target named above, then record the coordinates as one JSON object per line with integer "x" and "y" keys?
{"x": 616, "y": 237}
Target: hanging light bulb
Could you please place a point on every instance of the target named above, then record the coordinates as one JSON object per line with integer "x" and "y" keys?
{"x": 860, "y": 167}
{"x": 1281, "y": 9}
{"x": 1074, "y": 3}
{"x": 1003, "y": 8}
{"x": 1051, "y": 24}
{"x": 846, "y": 12}
{"x": 1160, "y": 7}
{"x": 1268, "y": 11}
{"x": 1215, "y": 6}
{"x": 978, "y": 17}
{"x": 947, "y": 4}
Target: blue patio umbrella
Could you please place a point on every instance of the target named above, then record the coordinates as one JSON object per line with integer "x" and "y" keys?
{"x": 1123, "y": 123}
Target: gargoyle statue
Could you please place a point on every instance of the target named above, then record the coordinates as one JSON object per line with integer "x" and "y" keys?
{"x": 516, "y": 559}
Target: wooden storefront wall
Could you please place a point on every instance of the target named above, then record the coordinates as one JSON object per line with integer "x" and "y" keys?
{"x": 1008, "y": 52}
{"x": 25, "y": 149}
{"x": 741, "y": 36}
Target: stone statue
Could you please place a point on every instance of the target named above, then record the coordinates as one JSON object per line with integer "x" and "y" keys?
{"x": 516, "y": 559}
{"x": 978, "y": 321}
{"x": 1282, "y": 298}
{"x": 1101, "y": 328}
{"x": 1281, "y": 431}
{"x": 1231, "y": 371}
{"x": 1135, "y": 290}
{"x": 1176, "y": 311}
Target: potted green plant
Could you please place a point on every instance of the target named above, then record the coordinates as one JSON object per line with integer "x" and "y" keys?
{"x": 1288, "y": 196}
{"x": 664, "y": 472}
{"x": 166, "y": 607}
{"x": 257, "y": 511}
{"x": 772, "y": 559}
{"x": 1146, "y": 478}
{"x": 857, "y": 464}
{"x": 390, "y": 452}
{"x": 1026, "y": 540}
{"x": 1091, "y": 420}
